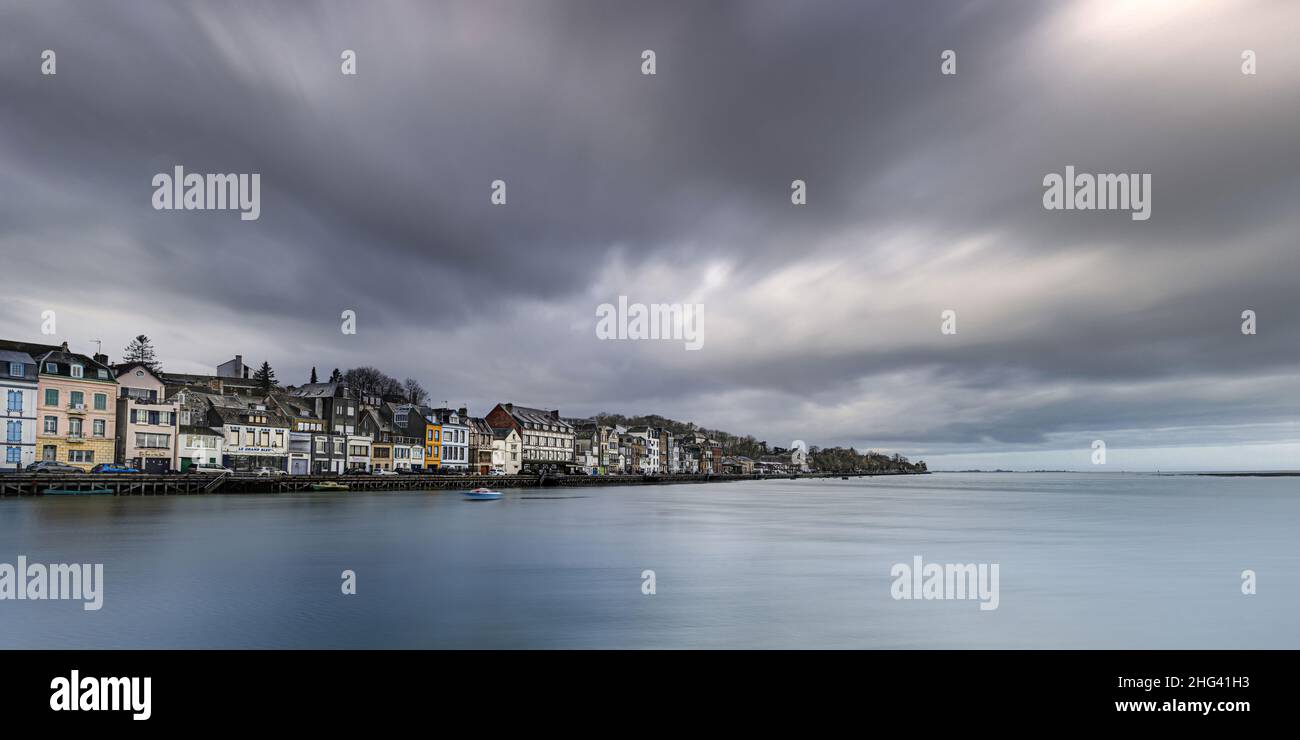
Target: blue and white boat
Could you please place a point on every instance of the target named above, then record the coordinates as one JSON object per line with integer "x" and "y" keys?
{"x": 482, "y": 494}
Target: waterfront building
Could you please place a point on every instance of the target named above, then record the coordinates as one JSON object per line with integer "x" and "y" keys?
{"x": 197, "y": 445}
{"x": 548, "y": 440}
{"x": 455, "y": 439}
{"x": 480, "y": 443}
{"x": 507, "y": 451}
{"x": 337, "y": 410}
{"x": 18, "y": 385}
{"x": 632, "y": 449}
{"x": 373, "y": 425}
{"x": 147, "y": 421}
{"x": 306, "y": 432}
{"x": 737, "y": 464}
{"x": 649, "y": 451}
{"x": 77, "y": 415}
{"x": 408, "y": 448}
{"x": 595, "y": 447}
{"x": 420, "y": 430}
{"x": 256, "y": 435}
{"x": 667, "y": 451}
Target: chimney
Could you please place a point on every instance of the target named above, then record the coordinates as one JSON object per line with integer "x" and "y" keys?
{"x": 555, "y": 414}
{"x": 65, "y": 346}
{"x": 101, "y": 359}
{"x": 464, "y": 412}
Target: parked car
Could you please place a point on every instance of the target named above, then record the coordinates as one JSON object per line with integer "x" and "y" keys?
{"x": 495, "y": 471}
{"x": 113, "y": 468}
{"x": 356, "y": 471}
{"x": 381, "y": 471}
{"x": 209, "y": 469}
{"x": 269, "y": 472}
{"x": 409, "y": 471}
{"x": 52, "y": 466}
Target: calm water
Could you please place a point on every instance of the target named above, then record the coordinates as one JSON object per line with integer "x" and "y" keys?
{"x": 1102, "y": 560}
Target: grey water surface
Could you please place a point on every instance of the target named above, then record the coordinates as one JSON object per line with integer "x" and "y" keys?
{"x": 1085, "y": 561}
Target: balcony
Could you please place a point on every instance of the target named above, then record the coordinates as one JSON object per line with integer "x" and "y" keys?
{"x": 75, "y": 438}
{"x": 76, "y": 408}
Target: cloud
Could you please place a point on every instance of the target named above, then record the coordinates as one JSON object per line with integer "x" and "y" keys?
{"x": 822, "y": 320}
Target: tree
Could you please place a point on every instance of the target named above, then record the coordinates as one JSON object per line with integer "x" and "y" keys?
{"x": 313, "y": 375}
{"x": 265, "y": 377}
{"x": 415, "y": 392}
{"x": 336, "y": 376}
{"x": 141, "y": 350}
{"x": 373, "y": 382}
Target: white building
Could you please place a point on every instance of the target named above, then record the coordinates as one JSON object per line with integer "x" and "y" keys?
{"x": 507, "y": 451}
{"x": 650, "y": 464}
{"x": 18, "y": 380}
{"x": 455, "y": 439}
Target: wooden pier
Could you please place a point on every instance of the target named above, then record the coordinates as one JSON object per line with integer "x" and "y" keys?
{"x": 135, "y": 484}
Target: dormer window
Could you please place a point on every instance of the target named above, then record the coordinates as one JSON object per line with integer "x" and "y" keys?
{"x": 77, "y": 371}
{"x": 103, "y": 375}
{"x": 51, "y": 367}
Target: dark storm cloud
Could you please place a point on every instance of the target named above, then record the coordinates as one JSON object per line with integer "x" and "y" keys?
{"x": 375, "y": 198}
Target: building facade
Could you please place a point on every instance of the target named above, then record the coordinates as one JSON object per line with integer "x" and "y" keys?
{"x": 147, "y": 420}
{"x": 547, "y": 439}
{"x": 455, "y": 439}
{"x": 18, "y": 385}
{"x": 480, "y": 444}
{"x": 507, "y": 451}
{"x": 255, "y": 435}
{"x": 76, "y": 407}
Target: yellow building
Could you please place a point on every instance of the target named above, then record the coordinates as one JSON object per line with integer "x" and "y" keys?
{"x": 432, "y": 444}
{"x": 76, "y": 406}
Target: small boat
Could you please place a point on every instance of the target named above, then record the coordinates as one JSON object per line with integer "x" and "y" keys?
{"x": 329, "y": 485}
{"x": 482, "y": 494}
{"x": 75, "y": 492}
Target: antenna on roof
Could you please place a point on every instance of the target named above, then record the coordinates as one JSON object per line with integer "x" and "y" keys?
{"x": 99, "y": 346}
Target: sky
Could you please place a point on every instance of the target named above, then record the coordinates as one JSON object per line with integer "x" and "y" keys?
{"x": 822, "y": 320}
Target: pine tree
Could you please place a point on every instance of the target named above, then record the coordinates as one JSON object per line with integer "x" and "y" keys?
{"x": 141, "y": 350}
{"x": 313, "y": 375}
{"x": 265, "y": 377}
{"x": 336, "y": 376}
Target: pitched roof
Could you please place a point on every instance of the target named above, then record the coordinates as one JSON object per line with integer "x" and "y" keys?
{"x": 526, "y": 416}
{"x": 317, "y": 390}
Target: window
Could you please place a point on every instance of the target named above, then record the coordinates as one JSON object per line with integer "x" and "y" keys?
{"x": 14, "y": 432}
{"x": 98, "y": 426}
{"x": 16, "y": 370}
{"x": 52, "y": 367}
{"x": 13, "y": 454}
{"x": 51, "y": 396}
{"x": 101, "y": 402}
{"x": 81, "y": 456}
{"x": 51, "y": 425}
{"x": 77, "y": 371}
{"x": 153, "y": 441}
{"x": 49, "y": 452}
{"x": 77, "y": 398}
{"x": 16, "y": 401}
{"x": 103, "y": 374}
{"x": 74, "y": 427}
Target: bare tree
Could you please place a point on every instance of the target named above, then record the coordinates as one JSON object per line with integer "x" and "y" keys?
{"x": 415, "y": 392}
